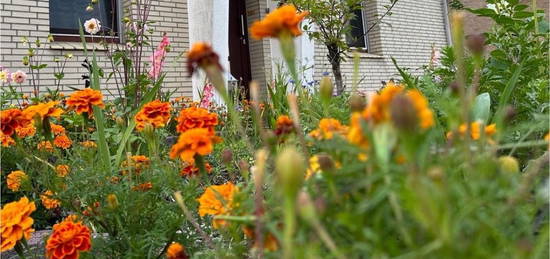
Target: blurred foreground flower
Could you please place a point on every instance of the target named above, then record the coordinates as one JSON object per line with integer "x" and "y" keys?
{"x": 202, "y": 55}
{"x": 15, "y": 222}
{"x": 283, "y": 20}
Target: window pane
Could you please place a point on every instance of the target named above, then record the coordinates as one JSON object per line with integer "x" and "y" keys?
{"x": 65, "y": 14}
{"x": 357, "y": 37}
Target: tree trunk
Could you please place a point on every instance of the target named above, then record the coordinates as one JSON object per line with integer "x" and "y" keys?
{"x": 335, "y": 61}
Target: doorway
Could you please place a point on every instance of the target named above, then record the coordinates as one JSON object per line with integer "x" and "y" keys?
{"x": 239, "y": 54}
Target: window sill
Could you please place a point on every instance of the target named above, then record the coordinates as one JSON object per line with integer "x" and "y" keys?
{"x": 365, "y": 55}
{"x": 76, "y": 46}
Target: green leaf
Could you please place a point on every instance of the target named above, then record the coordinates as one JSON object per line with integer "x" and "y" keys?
{"x": 482, "y": 107}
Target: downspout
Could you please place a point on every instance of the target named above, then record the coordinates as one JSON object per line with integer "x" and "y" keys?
{"x": 446, "y": 21}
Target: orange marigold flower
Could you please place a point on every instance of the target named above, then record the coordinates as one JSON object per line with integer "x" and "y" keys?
{"x": 68, "y": 239}
{"x": 209, "y": 203}
{"x": 88, "y": 144}
{"x": 14, "y": 180}
{"x": 143, "y": 187}
{"x": 378, "y": 108}
{"x": 62, "y": 141}
{"x": 15, "y": 222}
{"x": 476, "y": 128}
{"x": 57, "y": 129}
{"x": 155, "y": 113}
{"x": 43, "y": 110}
{"x": 10, "y": 120}
{"x": 6, "y": 140}
{"x": 202, "y": 55}
{"x": 137, "y": 163}
{"x": 176, "y": 251}
{"x": 196, "y": 117}
{"x": 191, "y": 170}
{"x": 270, "y": 242}
{"x": 421, "y": 105}
{"x": 327, "y": 128}
{"x": 28, "y": 131}
{"x": 355, "y": 133}
{"x": 82, "y": 101}
{"x": 45, "y": 146}
{"x": 62, "y": 170}
{"x": 192, "y": 142}
{"x": 48, "y": 201}
{"x": 283, "y": 20}
{"x": 284, "y": 125}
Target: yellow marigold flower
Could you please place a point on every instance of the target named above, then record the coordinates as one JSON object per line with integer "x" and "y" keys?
{"x": 15, "y": 222}
{"x": 327, "y": 128}
{"x": 476, "y": 128}
{"x": 68, "y": 239}
{"x": 45, "y": 146}
{"x": 27, "y": 131}
{"x": 192, "y": 142}
{"x": 62, "y": 170}
{"x": 14, "y": 180}
{"x": 283, "y": 20}
{"x": 88, "y": 144}
{"x": 176, "y": 251}
{"x": 62, "y": 141}
{"x": 57, "y": 129}
{"x": 210, "y": 203}
{"x": 6, "y": 140}
{"x": 43, "y": 110}
{"x": 202, "y": 55}
{"x": 48, "y": 201}
{"x": 155, "y": 113}
{"x": 82, "y": 101}
{"x": 314, "y": 166}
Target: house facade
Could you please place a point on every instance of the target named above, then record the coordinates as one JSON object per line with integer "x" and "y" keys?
{"x": 409, "y": 35}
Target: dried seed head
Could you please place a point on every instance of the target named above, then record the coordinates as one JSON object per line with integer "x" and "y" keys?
{"x": 403, "y": 113}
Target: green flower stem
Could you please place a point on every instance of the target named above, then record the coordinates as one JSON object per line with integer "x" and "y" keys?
{"x": 290, "y": 225}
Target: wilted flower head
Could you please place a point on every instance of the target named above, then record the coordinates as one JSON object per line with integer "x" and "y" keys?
{"x": 283, "y": 20}
{"x": 92, "y": 26}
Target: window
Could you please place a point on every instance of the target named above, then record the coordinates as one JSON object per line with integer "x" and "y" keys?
{"x": 357, "y": 37}
{"x": 65, "y": 16}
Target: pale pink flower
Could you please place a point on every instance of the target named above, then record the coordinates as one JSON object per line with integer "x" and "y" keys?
{"x": 92, "y": 26}
{"x": 157, "y": 59}
{"x": 207, "y": 94}
{"x": 19, "y": 77}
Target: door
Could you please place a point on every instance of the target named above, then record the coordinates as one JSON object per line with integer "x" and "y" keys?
{"x": 239, "y": 54}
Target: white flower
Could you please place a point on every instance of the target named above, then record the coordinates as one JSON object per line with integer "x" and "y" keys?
{"x": 92, "y": 26}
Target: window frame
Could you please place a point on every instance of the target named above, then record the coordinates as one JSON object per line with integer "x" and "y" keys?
{"x": 364, "y": 28}
{"x": 75, "y": 36}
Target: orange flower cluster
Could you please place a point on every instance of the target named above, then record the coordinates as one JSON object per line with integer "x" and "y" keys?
{"x": 379, "y": 109}
{"x": 62, "y": 170}
{"x": 68, "y": 239}
{"x": 88, "y": 144}
{"x": 143, "y": 187}
{"x": 136, "y": 163}
{"x": 355, "y": 132}
{"x": 283, "y": 20}
{"x": 83, "y": 100}
{"x": 62, "y": 141}
{"x": 202, "y": 55}
{"x": 195, "y": 117}
{"x": 14, "y": 180}
{"x": 15, "y": 222}
{"x": 209, "y": 203}
{"x": 12, "y": 119}
{"x": 57, "y": 129}
{"x": 45, "y": 146}
{"x": 176, "y": 251}
{"x": 270, "y": 242}
{"x": 48, "y": 201}
{"x": 475, "y": 130}
{"x": 327, "y": 128}
{"x": 155, "y": 113}
{"x": 43, "y": 110}
{"x": 28, "y": 131}
{"x": 198, "y": 141}
{"x": 192, "y": 170}
{"x": 284, "y": 125}
{"x": 6, "y": 140}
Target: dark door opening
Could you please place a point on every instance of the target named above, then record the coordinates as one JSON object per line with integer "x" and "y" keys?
{"x": 239, "y": 54}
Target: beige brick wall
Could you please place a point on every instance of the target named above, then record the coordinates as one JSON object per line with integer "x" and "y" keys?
{"x": 413, "y": 28}
{"x": 30, "y": 18}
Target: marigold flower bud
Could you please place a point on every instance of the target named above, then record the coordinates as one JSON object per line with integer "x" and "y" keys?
{"x": 403, "y": 113}
{"x": 227, "y": 156}
{"x": 326, "y": 88}
{"x": 508, "y": 164}
{"x": 305, "y": 206}
{"x": 291, "y": 170}
{"x": 357, "y": 103}
{"x": 120, "y": 121}
{"x": 436, "y": 173}
{"x": 112, "y": 201}
{"x": 325, "y": 162}
{"x": 476, "y": 43}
